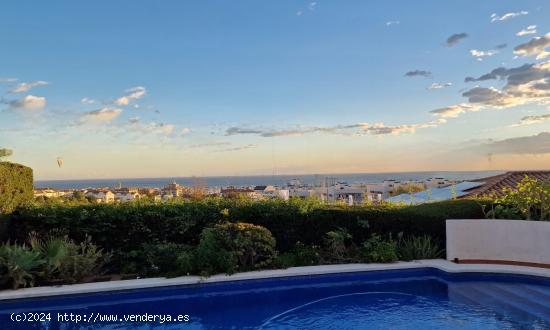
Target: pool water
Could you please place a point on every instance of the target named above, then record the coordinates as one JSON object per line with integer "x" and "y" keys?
{"x": 400, "y": 299}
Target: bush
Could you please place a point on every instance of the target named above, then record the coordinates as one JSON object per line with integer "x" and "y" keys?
{"x": 83, "y": 260}
{"x": 337, "y": 242}
{"x": 301, "y": 255}
{"x": 376, "y": 249}
{"x": 419, "y": 247}
{"x": 19, "y": 265}
{"x": 231, "y": 247}
{"x": 16, "y": 186}
{"x": 165, "y": 259}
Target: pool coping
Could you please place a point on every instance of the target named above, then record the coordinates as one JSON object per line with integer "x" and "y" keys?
{"x": 157, "y": 282}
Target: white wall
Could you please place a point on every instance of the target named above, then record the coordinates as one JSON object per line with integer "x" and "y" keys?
{"x": 506, "y": 240}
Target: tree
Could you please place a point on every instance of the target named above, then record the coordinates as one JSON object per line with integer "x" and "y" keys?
{"x": 5, "y": 152}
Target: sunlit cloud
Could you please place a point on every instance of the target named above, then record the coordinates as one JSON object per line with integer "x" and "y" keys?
{"x": 132, "y": 94}
{"x": 534, "y": 47}
{"x": 532, "y": 120}
{"x": 531, "y": 29}
{"x": 29, "y": 102}
{"x": 507, "y": 16}
{"x": 87, "y": 100}
{"x": 534, "y": 144}
{"x": 245, "y": 147}
{"x": 482, "y": 53}
{"x": 438, "y": 86}
{"x": 7, "y": 80}
{"x": 27, "y": 86}
{"x": 454, "y": 111}
{"x": 103, "y": 115}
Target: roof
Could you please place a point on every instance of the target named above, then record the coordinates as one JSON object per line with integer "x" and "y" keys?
{"x": 260, "y": 188}
{"x": 495, "y": 185}
{"x": 436, "y": 194}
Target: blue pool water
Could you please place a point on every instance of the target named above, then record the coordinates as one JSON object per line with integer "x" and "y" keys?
{"x": 402, "y": 299}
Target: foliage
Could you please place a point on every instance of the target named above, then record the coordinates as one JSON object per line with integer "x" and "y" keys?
{"x": 409, "y": 188}
{"x": 83, "y": 260}
{"x": 231, "y": 247}
{"x": 5, "y": 152}
{"x": 19, "y": 265}
{"x": 337, "y": 242}
{"x": 166, "y": 259}
{"x": 54, "y": 251}
{"x": 16, "y": 186}
{"x": 529, "y": 200}
{"x": 300, "y": 255}
{"x": 419, "y": 247}
{"x": 377, "y": 249}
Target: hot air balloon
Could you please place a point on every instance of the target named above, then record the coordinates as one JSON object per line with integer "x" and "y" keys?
{"x": 59, "y": 161}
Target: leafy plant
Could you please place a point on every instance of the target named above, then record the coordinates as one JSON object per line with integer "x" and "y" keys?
{"x": 419, "y": 247}
{"x": 163, "y": 258}
{"x": 376, "y": 249}
{"x": 83, "y": 260}
{"x": 337, "y": 242}
{"x": 19, "y": 265}
{"x": 301, "y": 255}
{"x": 231, "y": 247}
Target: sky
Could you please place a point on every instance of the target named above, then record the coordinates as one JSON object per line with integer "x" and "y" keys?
{"x": 120, "y": 89}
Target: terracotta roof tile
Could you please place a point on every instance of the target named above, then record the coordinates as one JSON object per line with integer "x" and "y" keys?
{"x": 495, "y": 185}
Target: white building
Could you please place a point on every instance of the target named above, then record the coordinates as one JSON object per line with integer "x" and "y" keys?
{"x": 101, "y": 196}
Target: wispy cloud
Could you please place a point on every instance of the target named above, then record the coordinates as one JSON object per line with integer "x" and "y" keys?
{"x": 482, "y": 53}
{"x": 531, "y": 29}
{"x": 454, "y": 111}
{"x": 357, "y": 129}
{"x": 456, "y": 38}
{"x": 132, "y": 94}
{"x": 534, "y": 47}
{"x": 439, "y": 86}
{"x": 103, "y": 115}
{"x": 7, "y": 80}
{"x": 245, "y": 147}
{"x": 185, "y": 131}
{"x": 418, "y": 73}
{"x": 390, "y": 23}
{"x": 499, "y": 18}
{"x": 534, "y": 144}
{"x": 27, "y": 86}
{"x": 532, "y": 120}
{"x": 210, "y": 144}
{"x": 87, "y": 100}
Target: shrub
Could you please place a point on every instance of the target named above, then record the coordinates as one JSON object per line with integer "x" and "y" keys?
{"x": 376, "y": 249}
{"x": 337, "y": 242}
{"x": 231, "y": 247}
{"x": 301, "y": 255}
{"x": 16, "y": 186}
{"x": 165, "y": 259}
{"x": 83, "y": 260}
{"x": 19, "y": 265}
{"x": 419, "y": 247}
{"x": 530, "y": 198}
{"x": 54, "y": 251}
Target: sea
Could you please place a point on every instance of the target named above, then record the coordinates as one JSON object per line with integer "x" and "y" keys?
{"x": 246, "y": 181}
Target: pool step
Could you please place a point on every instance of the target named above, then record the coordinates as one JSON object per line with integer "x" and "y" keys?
{"x": 501, "y": 301}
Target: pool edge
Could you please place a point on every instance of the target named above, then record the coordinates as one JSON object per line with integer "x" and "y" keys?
{"x": 123, "y": 285}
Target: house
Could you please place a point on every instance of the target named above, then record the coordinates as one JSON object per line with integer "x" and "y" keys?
{"x": 173, "y": 189}
{"x": 436, "y": 194}
{"x": 101, "y": 196}
{"x": 47, "y": 192}
{"x": 494, "y": 186}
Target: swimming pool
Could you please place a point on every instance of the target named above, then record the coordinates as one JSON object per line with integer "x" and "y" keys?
{"x": 422, "y": 298}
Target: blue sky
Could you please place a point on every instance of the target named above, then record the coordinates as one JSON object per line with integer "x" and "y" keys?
{"x": 178, "y": 88}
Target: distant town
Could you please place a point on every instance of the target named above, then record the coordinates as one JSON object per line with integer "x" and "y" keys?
{"x": 326, "y": 189}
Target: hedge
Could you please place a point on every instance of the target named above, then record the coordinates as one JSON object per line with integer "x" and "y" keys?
{"x": 126, "y": 226}
{"x": 16, "y": 186}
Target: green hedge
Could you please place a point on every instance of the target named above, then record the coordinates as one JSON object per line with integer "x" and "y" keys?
{"x": 16, "y": 186}
{"x": 125, "y": 227}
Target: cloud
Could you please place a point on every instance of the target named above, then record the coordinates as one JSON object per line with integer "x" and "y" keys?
{"x": 418, "y": 73}
{"x": 532, "y": 120}
{"x": 454, "y": 111}
{"x": 245, "y": 147}
{"x": 534, "y": 144}
{"x": 299, "y": 13}
{"x": 87, "y": 100}
{"x": 210, "y": 144}
{"x": 133, "y": 120}
{"x": 390, "y": 23}
{"x": 536, "y": 46}
{"x": 531, "y": 29}
{"x": 507, "y": 16}
{"x": 358, "y": 129}
{"x": 132, "y": 94}
{"x": 482, "y": 53}
{"x": 456, "y": 38}
{"x": 103, "y": 115}
{"x": 29, "y": 102}
{"x": 312, "y": 5}
{"x": 501, "y": 46}
{"x": 439, "y": 86}
{"x": 184, "y": 131}
{"x": 26, "y": 86}
{"x": 7, "y": 80}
